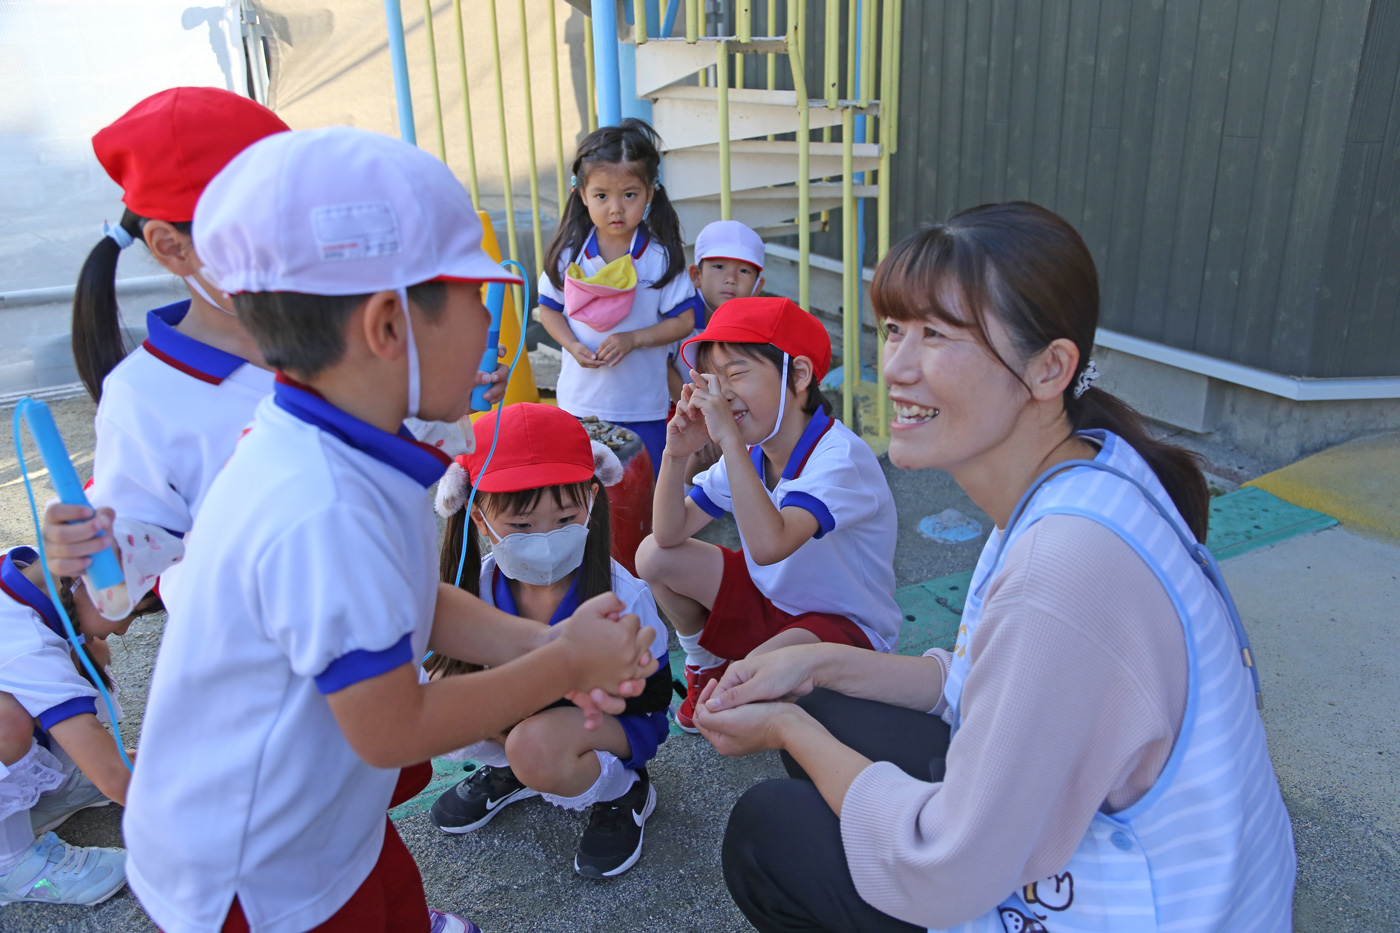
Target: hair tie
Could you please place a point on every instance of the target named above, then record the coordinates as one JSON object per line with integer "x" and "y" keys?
{"x": 657, "y": 183}
{"x": 573, "y": 182}
{"x": 1086, "y": 379}
{"x": 119, "y": 234}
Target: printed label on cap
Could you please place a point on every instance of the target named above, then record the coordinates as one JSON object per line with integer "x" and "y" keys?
{"x": 356, "y": 231}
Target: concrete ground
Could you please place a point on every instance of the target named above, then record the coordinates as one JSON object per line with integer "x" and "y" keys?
{"x": 1319, "y": 607}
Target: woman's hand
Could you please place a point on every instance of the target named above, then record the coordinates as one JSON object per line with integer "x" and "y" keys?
{"x": 686, "y": 432}
{"x": 616, "y": 346}
{"x": 784, "y": 674}
{"x": 757, "y": 727}
{"x": 68, "y": 547}
{"x": 707, "y": 398}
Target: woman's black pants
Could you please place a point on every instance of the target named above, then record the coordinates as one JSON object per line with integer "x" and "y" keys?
{"x": 783, "y": 858}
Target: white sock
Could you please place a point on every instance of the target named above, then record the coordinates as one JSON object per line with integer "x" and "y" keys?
{"x": 695, "y": 656}
{"x": 20, "y": 788}
{"x": 613, "y": 781}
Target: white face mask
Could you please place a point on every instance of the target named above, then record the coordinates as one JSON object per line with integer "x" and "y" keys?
{"x": 540, "y": 558}
{"x": 193, "y": 282}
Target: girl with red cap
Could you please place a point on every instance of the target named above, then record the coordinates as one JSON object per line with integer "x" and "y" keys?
{"x": 543, "y": 509}
{"x": 815, "y": 515}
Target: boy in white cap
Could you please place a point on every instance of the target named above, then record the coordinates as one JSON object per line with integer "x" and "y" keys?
{"x": 276, "y": 727}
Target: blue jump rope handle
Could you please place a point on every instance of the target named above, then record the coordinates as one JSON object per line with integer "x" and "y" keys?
{"x": 491, "y": 356}
{"x": 105, "y": 570}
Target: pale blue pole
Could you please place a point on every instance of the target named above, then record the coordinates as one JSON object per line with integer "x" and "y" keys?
{"x": 605, "y": 62}
{"x": 667, "y": 27}
{"x": 399, "y": 58}
{"x": 632, "y": 105}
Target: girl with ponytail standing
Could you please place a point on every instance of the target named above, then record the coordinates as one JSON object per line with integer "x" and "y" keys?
{"x": 169, "y": 412}
{"x": 613, "y": 291}
{"x": 1089, "y": 756}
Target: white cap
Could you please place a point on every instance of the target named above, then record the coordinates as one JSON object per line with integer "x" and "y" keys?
{"x": 338, "y": 211}
{"x": 729, "y": 239}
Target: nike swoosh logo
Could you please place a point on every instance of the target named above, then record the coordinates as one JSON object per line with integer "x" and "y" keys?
{"x": 638, "y": 818}
{"x": 493, "y": 804}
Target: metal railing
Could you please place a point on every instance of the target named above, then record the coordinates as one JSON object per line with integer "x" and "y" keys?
{"x": 867, "y": 34}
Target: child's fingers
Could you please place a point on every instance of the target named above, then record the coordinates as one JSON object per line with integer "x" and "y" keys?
{"x": 57, "y": 512}
{"x": 605, "y": 604}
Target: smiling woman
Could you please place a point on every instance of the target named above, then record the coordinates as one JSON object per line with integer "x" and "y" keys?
{"x": 1088, "y": 755}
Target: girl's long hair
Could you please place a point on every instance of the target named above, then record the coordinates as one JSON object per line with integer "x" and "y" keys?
{"x": 632, "y": 143}
{"x": 1029, "y": 268}
{"x": 595, "y": 572}
{"x": 98, "y": 343}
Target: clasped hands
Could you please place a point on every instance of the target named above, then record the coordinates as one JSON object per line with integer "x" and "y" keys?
{"x": 751, "y": 709}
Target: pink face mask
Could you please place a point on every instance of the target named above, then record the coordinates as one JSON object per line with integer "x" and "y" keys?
{"x": 602, "y": 299}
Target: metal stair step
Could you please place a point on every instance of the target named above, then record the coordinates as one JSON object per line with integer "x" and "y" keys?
{"x": 665, "y": 61}
{"x": 694, "y": 172}
{"x": 765, "y": 207}
{"x": 685, "y": 117}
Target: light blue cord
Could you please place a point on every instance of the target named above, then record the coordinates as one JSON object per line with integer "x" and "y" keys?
{"x": 74, "y": 638}
{"x": 496, "y": 435}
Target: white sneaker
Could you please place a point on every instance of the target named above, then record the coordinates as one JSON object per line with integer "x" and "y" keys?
{"x": 439, "y": 922}
{"x": 53, "y": 872}
{"x": 54, "y": 808}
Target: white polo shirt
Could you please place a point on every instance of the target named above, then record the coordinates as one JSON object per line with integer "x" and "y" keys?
{"x": 170, "y": 416}
{"x": 36, "y": 666}
{"x": 847, "y": 568}
{"x": 635, "y": 389}
{"x": 312, "y": 565}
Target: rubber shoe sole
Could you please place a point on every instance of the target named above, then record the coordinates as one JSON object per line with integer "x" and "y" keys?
{"x": 590, "y": 872}
{"x": 524, "y": 793}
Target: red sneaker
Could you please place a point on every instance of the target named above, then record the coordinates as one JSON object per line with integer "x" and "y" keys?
{"x": 695, "y": 681}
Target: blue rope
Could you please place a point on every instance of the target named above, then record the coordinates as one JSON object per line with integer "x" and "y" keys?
{"x": 74, "y": 638}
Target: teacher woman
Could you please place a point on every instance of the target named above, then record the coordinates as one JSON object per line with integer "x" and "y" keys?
{"x": 1089, "y": 756}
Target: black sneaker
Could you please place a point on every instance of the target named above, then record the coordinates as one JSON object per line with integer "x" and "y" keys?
{"x": 470, "y": 804}
{"x": 612, "y": 843}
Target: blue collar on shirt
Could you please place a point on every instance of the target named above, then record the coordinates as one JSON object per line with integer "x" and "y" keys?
{"x": 821, "y": 423}
{"x": 505, "y": 599}
{"x": 17, "y": 586}
{"x": 401, "y": 451}
{"x": 189, "y": 356}
{"x": 640, "y": 240}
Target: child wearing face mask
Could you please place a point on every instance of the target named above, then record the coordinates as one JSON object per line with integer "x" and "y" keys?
{"x": 543, "y": 510}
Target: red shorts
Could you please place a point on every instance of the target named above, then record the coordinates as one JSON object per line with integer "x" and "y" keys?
{"x": 413, "y": 780}
{"x": 742, "y": 618}
{"x": 390, "y": 900}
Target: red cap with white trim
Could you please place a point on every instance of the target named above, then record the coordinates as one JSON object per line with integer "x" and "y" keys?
{"x": 779, "y": 321}
{"x": 539, "y": 446}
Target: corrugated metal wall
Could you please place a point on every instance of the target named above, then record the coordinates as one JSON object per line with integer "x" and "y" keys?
{"x": 1233, "y": 164}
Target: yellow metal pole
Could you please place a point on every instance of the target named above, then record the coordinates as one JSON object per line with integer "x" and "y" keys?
{"x": 639, "y": 14}
{"x": 831, "y": 65}
{"x": 743, "y": 20}
{"x": 558, "y": 113}
{"x": 532, "y": 166}
{"x": 466, "y": 104}
{"x": 433, "y": 77}
{"x": 893, "y": 115}
{"x": 588, "y": 73}
{"x": 501, "y": 122}
{"x": 738, "y": 69}
{"x": 867, "y": 52}
{"x": 726, "y": 197}
{"x": 851, "y": 47}
{"x": 850, "y": 272}
{"x": 692, "y": 21}
{"x": 772, "y": 30}
{"x": 804, "y": 156}
{"x": 888, "y": 77}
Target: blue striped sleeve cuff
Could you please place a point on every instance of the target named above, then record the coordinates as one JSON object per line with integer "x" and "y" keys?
{"x": 814, "y": 505}
{"x": 66, "y": 710}
{"x": 550, "y": 303}
{"x": 697, "y": 495}
{"x": 358, "y": 665}
{"x": 687, "y": 304}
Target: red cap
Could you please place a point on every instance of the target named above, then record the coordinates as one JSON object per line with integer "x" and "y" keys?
{"x": 164, "y": 150}
{"x": 540, "y": 446}
{"x": 779, "y": 321}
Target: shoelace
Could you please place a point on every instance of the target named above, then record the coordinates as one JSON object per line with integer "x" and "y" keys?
{"x": 73, "y": 861}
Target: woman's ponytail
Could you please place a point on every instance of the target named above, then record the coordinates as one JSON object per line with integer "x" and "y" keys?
{"x": 1177, "y": 469}
{"x": 98, "y": 343}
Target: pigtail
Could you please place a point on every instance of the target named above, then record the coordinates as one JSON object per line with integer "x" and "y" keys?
{"x": 449, "y": 556}
{"x": 664, "y": 224}
{"x": 570, "y": 235}
{"x": 595, "y": 572}
{"x": 98, "y": 343}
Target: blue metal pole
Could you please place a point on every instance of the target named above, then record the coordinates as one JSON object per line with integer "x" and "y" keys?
{"x": 399, "y": 58}
{"x": 605, "y": 62}
{"x": 632, "y": 105}
{"x": 672, "y": 6}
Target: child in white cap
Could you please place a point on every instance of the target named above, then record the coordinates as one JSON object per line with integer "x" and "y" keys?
{"x": 276, "y": 727}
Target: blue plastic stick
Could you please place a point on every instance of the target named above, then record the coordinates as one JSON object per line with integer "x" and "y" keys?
{"x": 491, "y": 356}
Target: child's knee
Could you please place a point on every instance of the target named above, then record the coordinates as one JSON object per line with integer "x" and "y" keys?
{"x": 535, "y": 755}
{"x": 652, "y": 560}
{"x": 16, "y": 730}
